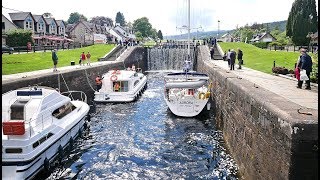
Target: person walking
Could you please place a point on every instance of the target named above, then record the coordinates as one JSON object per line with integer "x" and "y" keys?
{"x": 228, "y": 57}
{"x": 88, "y": 58}
{"x": 211, "y": 52}
{"x": 83, "y": 58}
{"x": 232, "y": 59}
{"x": 55, "y": 60}
{"x": 239, "y": 57}
{"x": 304, "y": 63}
{"x": 98, "y": 82}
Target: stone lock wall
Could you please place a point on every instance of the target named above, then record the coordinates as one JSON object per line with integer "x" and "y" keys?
{"x": 79, "y": 79}
{"x": 263, "y": 131}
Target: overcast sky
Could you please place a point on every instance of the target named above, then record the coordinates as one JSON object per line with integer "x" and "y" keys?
{"x": 165, "y": 15}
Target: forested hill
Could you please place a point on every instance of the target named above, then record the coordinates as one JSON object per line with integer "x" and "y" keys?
{"x": 281, "y": 25}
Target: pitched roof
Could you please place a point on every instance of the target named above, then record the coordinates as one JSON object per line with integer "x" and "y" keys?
{"x": 37, "y": 18}
{"x": 48, "y": 20}
{"x": 9, "y": 21}
{"x": 20, "y": 16}
{"x": 59, "y": 22}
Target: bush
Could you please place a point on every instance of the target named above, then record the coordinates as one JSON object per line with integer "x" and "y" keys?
{"x": 262, "y": 45}
{"x": 314, "y": 73}
{"x": 280, "y": 70}
{"x": 19, "y": 37}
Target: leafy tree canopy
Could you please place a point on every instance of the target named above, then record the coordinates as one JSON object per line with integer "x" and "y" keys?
{"x": 101, "y": 20}
{"x": 143, "y": 26}
{"x": 120, "y": 19}
{"x": 302, "y": 20}
{"x": 75, "y": 17}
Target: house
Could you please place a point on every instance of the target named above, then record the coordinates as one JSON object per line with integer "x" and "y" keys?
{"x": 125, "y": 32}
{"x": 7, "y": 25}
{"x": 81, "y": 32}
{"x": 263, "y": 37}
{"x": 226, "y": 38}
{"x": 23, "y": 20}
{"x": 51, "y": 26}
{"x": 61, "y": 28}
{"x": 40, "y": 24}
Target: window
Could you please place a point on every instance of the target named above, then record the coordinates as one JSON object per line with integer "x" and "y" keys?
{"x": 135, "y": 83}
{"x": 41, "y": 25}
{"x": 63, "y": 110}
{"x": 3, "y": 25}
{"x": 41, "y": 140}
{"x": 53, "y": 28}
{"x": 28, "y": 24}
{"x": 14, "y": 150}
{"x": 17, "y": 110}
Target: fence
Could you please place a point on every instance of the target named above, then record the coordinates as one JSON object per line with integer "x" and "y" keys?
{"x": 45, "y": 48}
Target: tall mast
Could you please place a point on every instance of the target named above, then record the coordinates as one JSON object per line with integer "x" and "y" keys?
{"x": 188, "y": 29}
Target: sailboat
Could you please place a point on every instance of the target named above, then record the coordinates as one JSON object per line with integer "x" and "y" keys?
{"x": 187, "y": 92}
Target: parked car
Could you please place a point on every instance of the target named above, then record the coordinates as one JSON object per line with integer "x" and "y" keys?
{"x": 7, "y": 49}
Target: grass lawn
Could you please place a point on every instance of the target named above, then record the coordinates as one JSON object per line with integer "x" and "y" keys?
{"x": 262, "y": 59}
{"x": 149, "y": 43}
{"x": 17, "y": 63}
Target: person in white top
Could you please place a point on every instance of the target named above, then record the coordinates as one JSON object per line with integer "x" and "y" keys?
{"x": 228, "y": 57}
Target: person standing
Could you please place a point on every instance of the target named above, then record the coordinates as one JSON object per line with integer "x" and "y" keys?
{"x": 239, "y": 57}
{"x": 83, "y": 58}
{"x": 232, "y": 59}
{"x": 55, "y": 60}
{"x": 98, "y": 82}
{"x": 304, "y": 63}
{"x": 88, "y": 58}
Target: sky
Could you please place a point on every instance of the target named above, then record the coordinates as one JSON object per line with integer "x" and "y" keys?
{"x": 169, "y": 16}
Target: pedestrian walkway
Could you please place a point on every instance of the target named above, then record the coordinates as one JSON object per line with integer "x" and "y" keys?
{"x": 19, "y": 76}
{"x": 278, "y": 85}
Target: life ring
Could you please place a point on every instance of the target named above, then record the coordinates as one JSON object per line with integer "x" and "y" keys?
{"x": 114, "y": 77}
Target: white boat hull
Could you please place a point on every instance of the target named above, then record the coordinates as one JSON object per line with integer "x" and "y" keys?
{"x": 186, "y": 107}
{"x": 49, "y": 123}
{"x": 129, "y": 96}
{"x": 32, "y": 167}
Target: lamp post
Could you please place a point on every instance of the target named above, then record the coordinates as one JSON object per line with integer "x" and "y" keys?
{"x": 218, "y": 28}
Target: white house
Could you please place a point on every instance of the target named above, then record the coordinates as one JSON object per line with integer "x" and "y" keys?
{"x": 227, "y": 38}
{"x": 263, "y": 37}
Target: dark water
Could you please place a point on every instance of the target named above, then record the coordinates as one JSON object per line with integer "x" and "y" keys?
{"x": 144, "y": 140}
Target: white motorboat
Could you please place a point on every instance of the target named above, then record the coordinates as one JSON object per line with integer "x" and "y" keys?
{"x": 121, "y": 86}
{"x": 37, "y": 125}
{"x": 187, "y": 93}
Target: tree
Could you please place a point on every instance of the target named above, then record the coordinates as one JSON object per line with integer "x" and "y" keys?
{"x": 154, "y": 34}
{"x": 302, "y": 19}
{"x": 143, "y": 26}
{"x": 120, "y": 19}
{"x": 139, "y": 36}
{"x": 75, "y": 17}
{"x": 160, "y": 36}
{"x": 101, "y": 20}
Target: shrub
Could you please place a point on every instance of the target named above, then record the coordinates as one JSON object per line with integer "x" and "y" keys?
{"x": 314, "y": 73}
{"x": 262, "y": 45}
{"x": 19, "y": 37}
{"x": 280, "y": 70}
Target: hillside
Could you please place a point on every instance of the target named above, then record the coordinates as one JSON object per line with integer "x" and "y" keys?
{"x": 201, "y": 35}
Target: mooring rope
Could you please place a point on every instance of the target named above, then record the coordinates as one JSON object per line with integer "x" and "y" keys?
{"x": 88, "y": 80}
{"x": 67, "y": 86}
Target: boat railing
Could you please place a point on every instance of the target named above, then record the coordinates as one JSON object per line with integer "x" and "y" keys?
{"x": 76, "y": 95}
